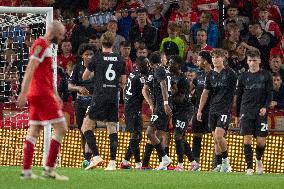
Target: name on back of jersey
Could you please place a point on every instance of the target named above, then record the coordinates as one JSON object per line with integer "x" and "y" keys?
{"x": 110, "y": 58}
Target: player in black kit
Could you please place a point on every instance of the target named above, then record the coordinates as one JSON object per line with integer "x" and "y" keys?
{"x": 221, "y": 83}
{"x": 254, "y": 94}
{"x": 133, "y": 100}
{"x": 181, "y": 104}
{"x": 108, "y": 70}
{"x": 161, "y": 111}
{"x": 204, "y": 61}
{"x": 84, "y": 91}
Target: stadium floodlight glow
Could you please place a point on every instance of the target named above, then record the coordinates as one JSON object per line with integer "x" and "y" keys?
{"x": 18, "y": 16}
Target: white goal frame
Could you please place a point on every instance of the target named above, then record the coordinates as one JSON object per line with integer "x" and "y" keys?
{"x": 49, "y": 18}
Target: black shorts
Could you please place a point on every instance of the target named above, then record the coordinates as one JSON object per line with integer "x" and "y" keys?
{"x": 200, "y": 127}
{"x": 257, "y": 127}
{"x": 104, "y": 110}
{"x": 81, "y": 105}
{"x": 134, "y": 122}
{"x": 160, "y": 120}
{"x": 219, "y": 120}
{"x": 180, "y": 122}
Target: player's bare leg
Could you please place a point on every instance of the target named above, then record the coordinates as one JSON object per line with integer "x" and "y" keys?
{"x": 113, "y": 138}
{"x": 222, "y": 143}
{"x": 87, "y": 130}
{"x": 59, "y": 131}
{"x": 218, "y": 152}
{"x": 151, "y": 134}
{"x": 260, "y": 147}
{"x": 33, "y": 133}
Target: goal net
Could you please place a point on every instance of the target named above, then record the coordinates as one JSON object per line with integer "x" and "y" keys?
{"x": 19, "y": 26}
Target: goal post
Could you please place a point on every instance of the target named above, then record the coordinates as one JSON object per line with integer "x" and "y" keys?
{"x": 9, "y": 18}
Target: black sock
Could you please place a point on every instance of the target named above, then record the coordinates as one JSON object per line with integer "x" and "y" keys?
{"x": 128, "y": 153}
{"x": 160, "y": 150}
{"x": 224, "y": 154}
{"x": 248, "y": 155}
{"x": 134, "y": 145}
{"x": 218, "y": 158}
{"x": 91, "y": 141}
{"x": 179, "y": 150}
{"x": 259, "y": 152}
{"x": 147, "y": 154}
{"x": 187, "y": 151}
{"x": 196, "y": 148}
{"x": 167, "y": 150}
{"x": 88, "y": 156}
{"x": 113, "y": 138}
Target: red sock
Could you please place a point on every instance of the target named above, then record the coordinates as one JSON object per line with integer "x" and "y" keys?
{"x": 52, "y": 154}
{"x": 29, "y": 146}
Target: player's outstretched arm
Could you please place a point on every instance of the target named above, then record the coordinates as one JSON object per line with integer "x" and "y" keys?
{"x": 203, "y": 100}
{"x": 22, "y": 98}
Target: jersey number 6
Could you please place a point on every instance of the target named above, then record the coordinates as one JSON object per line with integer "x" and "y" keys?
{"x": 110, "y": 73}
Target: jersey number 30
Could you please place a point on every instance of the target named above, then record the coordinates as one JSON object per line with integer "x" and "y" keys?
{"x": 110, "y": 73}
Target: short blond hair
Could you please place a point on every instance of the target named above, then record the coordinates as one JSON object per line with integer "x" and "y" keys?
{"x": 108, "y": 39}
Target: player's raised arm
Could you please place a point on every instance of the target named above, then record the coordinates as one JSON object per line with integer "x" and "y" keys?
{"x": 146, "y": 95}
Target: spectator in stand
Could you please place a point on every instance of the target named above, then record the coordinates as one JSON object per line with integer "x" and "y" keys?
{"x": 234, "y": 38}
{"x": 82, "y": 32}
{"x": 269, "y": 25}
{"x": 173, "y": 45}
{"x": 263, "y": 41}
{"x": 185, "y": 34}
{"x": 112, "y": 27}
{"x": 125, "y": 20}
{"x": 280, "y": 4}
{"x": 125, "y": 48}
{"x": 66, "y": 56}
{"x": 201, "y": 44}
{"x": 275, "y": 65}
{"x": 96, "y": 41}
{"x": 150, "y": 5}
{"x": 209, "y": 26}
{"x": 245, "y": 7}
{"x": 142, "y": 50}
{"x": 278, "y": 92}
{"x": 68, "y": 16}
{"x": 237, "y": 60}
{"x": 279, "y": 49}
{"x": 128, "y": 4}
{"x": 184, "y": 10}
{"x": 274, "y": 12}
{"x": 210, "y": 6}
{"x": 233, "y": 15}
{"x": 159, "y": 21}
{"x": 102, "y": 16}
{"x": 143, "y": 32}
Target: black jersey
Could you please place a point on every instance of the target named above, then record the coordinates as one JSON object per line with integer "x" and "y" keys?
{"x": 133, "y": 92}
{"x": 76, "y": 78}
{"x": 199, "y": 83}
{"x": 153, "y": 81}
{"x": 107, "y": 68}
{"x": 182, "y": 85}
{"x": 222, "y": 88}
{"x": 254, "y": 91}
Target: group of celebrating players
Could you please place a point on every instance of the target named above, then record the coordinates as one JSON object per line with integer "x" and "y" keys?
{"x": 168, "y": 93}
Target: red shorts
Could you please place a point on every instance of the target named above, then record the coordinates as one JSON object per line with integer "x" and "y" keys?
{"x": 44, "y": 110}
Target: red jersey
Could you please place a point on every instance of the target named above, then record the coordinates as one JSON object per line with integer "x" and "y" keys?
{"x": 272, "y": 27}
{"x": 177, "y": 16}
{"x": 42, "y": 79}
{"x": 63, "y": 61}
{"x": 207, "y": 5}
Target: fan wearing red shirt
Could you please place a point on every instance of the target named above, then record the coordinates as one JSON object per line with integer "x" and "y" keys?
{"x": 66, "y": 57}
{"x": 211, "y": 6}
{"x": 183, "y": 11}
{"x": 125, "y": 48}
{"x": 44, "y": 102}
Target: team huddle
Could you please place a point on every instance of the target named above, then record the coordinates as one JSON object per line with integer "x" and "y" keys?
{"x": 100, "y": 79}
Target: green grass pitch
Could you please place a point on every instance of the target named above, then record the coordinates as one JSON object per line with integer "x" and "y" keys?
{"x": 135, "y": 179}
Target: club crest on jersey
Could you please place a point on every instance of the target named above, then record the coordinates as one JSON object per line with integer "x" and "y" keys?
{"x": 142, "y": 80}
{"x": 37, "y": 51}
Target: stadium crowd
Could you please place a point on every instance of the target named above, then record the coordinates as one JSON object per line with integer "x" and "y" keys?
{"x": 182, "y": 29}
